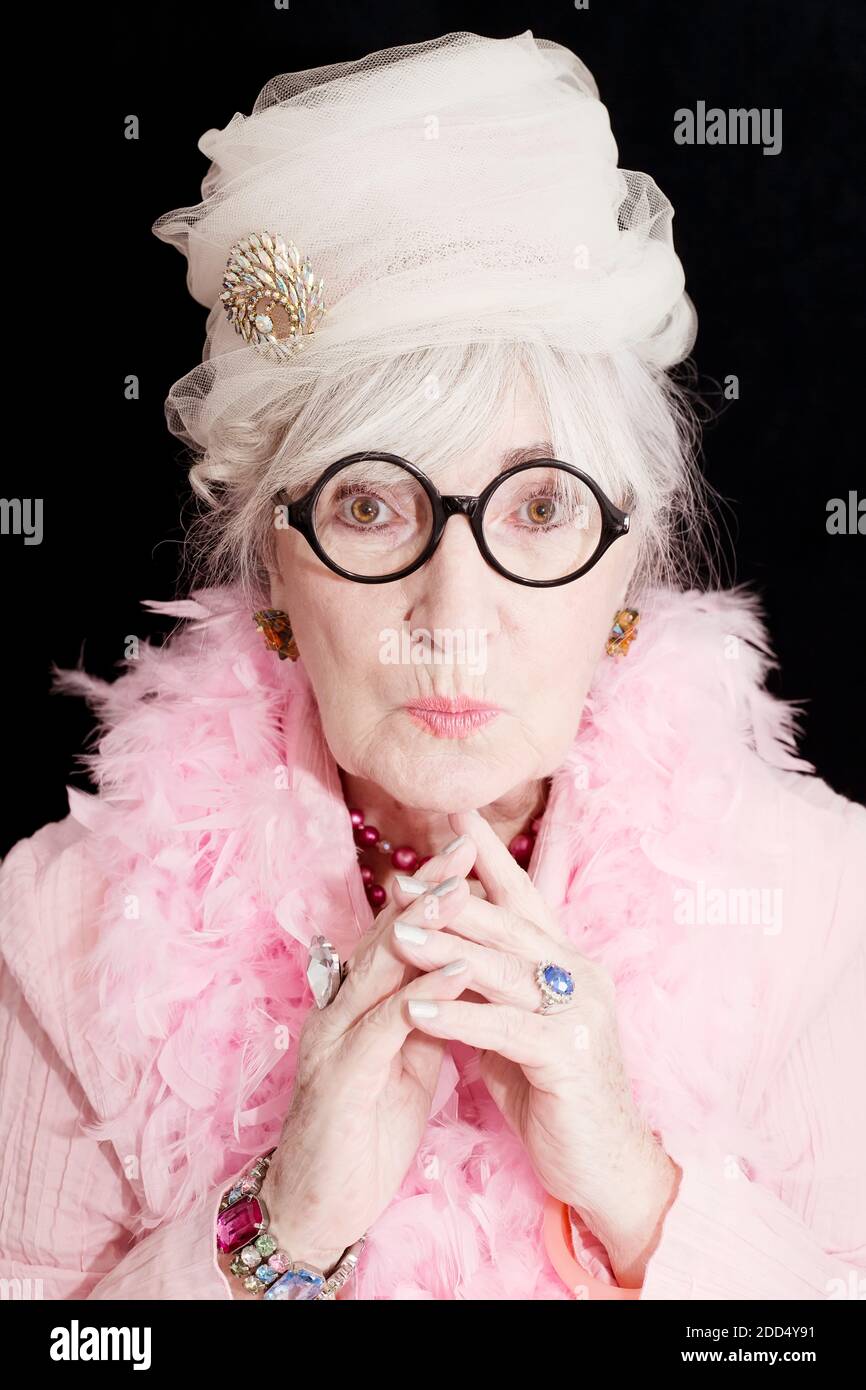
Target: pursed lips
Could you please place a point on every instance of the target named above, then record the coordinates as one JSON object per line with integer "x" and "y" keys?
{"x": 451, "y": 718}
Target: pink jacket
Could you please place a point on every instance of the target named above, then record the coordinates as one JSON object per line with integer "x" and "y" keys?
{"x": 154, "y": 947}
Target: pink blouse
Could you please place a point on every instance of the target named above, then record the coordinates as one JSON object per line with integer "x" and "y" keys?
{"x": 67, "y": 1205}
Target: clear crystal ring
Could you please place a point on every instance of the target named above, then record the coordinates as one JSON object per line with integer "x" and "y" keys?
{"x": 325, "y": 971}
{"x": 556, "y": 985}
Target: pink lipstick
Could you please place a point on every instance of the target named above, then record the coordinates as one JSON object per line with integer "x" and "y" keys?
{"x": 451, "y": 718}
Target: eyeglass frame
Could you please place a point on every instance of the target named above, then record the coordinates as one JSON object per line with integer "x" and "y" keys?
{"x": 615, "y": 522}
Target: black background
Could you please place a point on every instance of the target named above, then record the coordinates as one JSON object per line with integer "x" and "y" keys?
{"x": 772, "y": 248}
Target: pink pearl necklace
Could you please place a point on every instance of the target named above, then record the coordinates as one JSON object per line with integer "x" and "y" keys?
{"x": 406, "y": 860}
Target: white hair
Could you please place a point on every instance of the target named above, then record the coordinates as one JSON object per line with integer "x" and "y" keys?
{"x": 628, "y": 424}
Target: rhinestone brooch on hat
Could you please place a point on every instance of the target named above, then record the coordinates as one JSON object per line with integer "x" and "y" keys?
{"x": 270, "y": 294}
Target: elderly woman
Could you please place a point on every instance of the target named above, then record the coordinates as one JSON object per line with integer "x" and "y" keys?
{"x": 454, "y": 918}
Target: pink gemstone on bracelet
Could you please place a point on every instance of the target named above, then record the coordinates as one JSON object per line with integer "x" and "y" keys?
{"x": 240, "y": 1224}
{"x": 279, "y": 1261}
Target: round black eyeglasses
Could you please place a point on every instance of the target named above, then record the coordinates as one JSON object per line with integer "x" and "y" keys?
{"x": 374, "y": 517}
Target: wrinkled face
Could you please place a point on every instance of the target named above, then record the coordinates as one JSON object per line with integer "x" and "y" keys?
{"x": 454, "y": 686}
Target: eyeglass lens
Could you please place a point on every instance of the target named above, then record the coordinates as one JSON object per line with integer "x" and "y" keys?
{"x": 374, "y": 518}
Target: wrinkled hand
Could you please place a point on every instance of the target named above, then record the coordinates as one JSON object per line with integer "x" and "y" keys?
{"x": 558, "y": 1077}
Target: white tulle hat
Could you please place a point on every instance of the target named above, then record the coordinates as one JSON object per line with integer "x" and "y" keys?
{"x": 452, "y": 191}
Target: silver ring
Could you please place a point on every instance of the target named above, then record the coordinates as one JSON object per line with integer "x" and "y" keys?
{"x": 556, "y": 985}
{"x": 325, "y": 971}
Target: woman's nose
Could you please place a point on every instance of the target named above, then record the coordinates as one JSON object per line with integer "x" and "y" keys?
{"x": 456, "y": 587}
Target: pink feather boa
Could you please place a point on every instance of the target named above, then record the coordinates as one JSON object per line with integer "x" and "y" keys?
{"x": 224, "y": 842}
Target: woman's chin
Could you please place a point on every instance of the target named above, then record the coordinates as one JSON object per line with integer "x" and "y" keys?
{"x": 447, "y": 776}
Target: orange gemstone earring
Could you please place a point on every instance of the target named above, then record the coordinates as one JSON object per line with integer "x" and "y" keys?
{"x": 623, "y": 632}
{"x": 276, "y": 629}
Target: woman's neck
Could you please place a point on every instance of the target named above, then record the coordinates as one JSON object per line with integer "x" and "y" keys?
{"x": 427, "y": 831}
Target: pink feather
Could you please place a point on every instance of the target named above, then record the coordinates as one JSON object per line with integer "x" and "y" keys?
{"x": 218, "y": 870}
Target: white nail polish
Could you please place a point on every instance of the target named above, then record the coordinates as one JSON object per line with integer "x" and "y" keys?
{"x": 415, "y": 886}
{"x": 452, "y": 845}
{"x": 407, "y": 931}
{"x": 446, "y": 886}
{"x": 423, "y": 1008}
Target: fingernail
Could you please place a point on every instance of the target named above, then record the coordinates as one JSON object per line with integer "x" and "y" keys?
{"x": 446, "y": 886}
{"x": 407, "y": 931}
{"x": 414, "y": 886}
{"x": 454, "y": 968}
{"x": 452, "y": 845}
{"x": 422, "y": 1008}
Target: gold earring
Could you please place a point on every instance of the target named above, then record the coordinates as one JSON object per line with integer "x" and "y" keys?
{"x": 623, "y": 632}
{"x": 276, "y": 629}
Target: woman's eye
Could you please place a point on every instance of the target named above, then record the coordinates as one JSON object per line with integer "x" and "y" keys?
{"x": 365, "y": 510}
{"x": 539, "y": 511}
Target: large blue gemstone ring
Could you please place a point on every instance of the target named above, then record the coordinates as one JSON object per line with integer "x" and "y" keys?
{"x": 556, "y": 985}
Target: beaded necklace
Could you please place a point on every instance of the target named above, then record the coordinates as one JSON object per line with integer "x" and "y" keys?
{"x": 406, "y": 860}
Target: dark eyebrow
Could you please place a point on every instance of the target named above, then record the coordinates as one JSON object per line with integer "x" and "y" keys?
{"x": 525, "y": 453}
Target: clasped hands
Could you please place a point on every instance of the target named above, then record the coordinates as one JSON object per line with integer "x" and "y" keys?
{"x": 557, "y": 1077}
